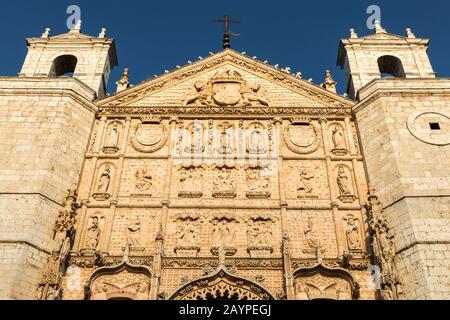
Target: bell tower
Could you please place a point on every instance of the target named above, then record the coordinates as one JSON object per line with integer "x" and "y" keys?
{"x": 88, "y": 59}
{"x": 47, "y": 115}
{"x": 383, "y": 54}
{"x": 403, "y": 122}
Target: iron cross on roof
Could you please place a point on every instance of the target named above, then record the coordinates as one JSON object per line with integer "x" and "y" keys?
{"x": 227, "y": 33}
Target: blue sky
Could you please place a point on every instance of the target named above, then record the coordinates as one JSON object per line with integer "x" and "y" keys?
{"x": 153, "y": 36}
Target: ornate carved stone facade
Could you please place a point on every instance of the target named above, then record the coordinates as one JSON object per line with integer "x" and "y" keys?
{"x": 225, "y": 179}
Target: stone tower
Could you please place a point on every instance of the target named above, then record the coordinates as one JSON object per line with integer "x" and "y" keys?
{"x": 46, "y": 117}
{"x": 403, "y": 120}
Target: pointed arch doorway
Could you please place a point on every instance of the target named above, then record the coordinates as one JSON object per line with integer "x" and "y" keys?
{"x": 222, "y": 286}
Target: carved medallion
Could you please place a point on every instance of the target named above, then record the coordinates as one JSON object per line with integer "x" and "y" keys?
{"x": 430, "y": 127}
{"x": 302, "y": 137}
{"x": 149, "y": 136}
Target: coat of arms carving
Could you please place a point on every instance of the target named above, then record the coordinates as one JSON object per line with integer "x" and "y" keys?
{"x": 149, "y": 136}
{"x": 226, "y": 88}
{"x": 302, "y": 137}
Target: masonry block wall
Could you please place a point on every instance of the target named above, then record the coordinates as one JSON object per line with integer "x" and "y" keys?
{"x": 45, "y": 126}
{"x": 404, "y": 127}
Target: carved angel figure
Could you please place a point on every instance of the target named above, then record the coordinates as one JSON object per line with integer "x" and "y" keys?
{"x": 105, "y": 180}
{"x": 343, "y": 183}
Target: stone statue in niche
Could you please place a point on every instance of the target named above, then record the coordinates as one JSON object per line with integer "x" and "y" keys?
{"x": 134, "y": 235}
{"x": 224, "y": 235}
{"x": 195, "y": 138}
{"x": 338, "y": 142}
{"x": 344, "y": 186}
{"x": 93, "y": 234}
{"x": 191, "y": 183}
{"x": 258, "y": 184}
{"x": 144, "y": 182}
{"x": 226, "y": 139}
{"x": 64, "y": 229}
{"x": 256, "y": 141}
{"x": 352, "y": 233}
{"x": 312, "y": 238}
{"x": 305, "y": 185}
{"x": 103, "y": 185}
{"x": 224, "y": 184}
{"x": 112, "y": 141}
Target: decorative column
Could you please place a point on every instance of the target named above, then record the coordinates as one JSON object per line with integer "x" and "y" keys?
{"x": 283, "y": 203}
{"x": 330, "y": 173}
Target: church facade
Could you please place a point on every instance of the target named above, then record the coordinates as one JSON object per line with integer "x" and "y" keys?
{"x": 227, "y": 178}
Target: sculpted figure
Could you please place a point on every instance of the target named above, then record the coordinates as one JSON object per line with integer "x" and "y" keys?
{"x": 352, "y": 233}
{"x": 187, "y": 234}
{"x": 105, "y": 180}
{"x": 113, "y": 136}
{"x": 93, "y": 234}
{"x": 305, "y": 183}
{"x": 343, "y": 183}
{"x": 256, "y": 182}
{"x": 143, "y": 180}
{"x": 190, "y": 179}
{"x": 312, "y": 238}
{"x": 338, "y": 138}
{"x": 134, "y": 234}
{"x": 253, "y": 94}
{"x": 224, "y": 181}
{"x": 202, "y": 95}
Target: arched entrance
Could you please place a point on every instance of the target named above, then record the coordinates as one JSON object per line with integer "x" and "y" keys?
{"x": 222, "y": 286}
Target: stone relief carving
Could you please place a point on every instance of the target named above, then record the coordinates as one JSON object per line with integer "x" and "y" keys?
{"x": 312, "y": 238}
{"x": 302, "y": 137}
{"x": 225, "y": 139}
{"x": 224, "y": 235}
{"x": 123, "y": 285}
{"x": 305, "y": 189}
{"x": 195, "y": 138}
{"x": 150, "y": 135}
{"x": 103, "y": 186}
{"x": 260, "y": 236}
{"x": 144, "y": 182}
{"x": 224, "y": 183}
{"x": 384, "y": 250}
{"x": 226, "y": 88}
{"x": 187, "y": 235}
{"x": 134, "y": 235}
{"x": 112, "y": 139}
{"x": 353, "y": 235}
{"x": 339, "y": 145}
{"x": 343, "y": 182}
{"x": 93, "y": 234}
{"x": 257, "y": 142}
{"x": 191, "y": 182}
{"x": 49, "y": 286}
{"x": 258, "y": 182}
{"x": 321, "y": 287}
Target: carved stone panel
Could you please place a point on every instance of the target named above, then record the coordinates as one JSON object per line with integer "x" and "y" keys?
{"x": 302, "y": 137}
{"x": 124, "y": 285}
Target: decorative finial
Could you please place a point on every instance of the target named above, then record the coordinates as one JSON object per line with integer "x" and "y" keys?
{"x": 353, "y": 34}
{"x": 378, "y": 27}
{"x": 329, "y": 83}
{"x": 46, "y": 33}
{"x": 299, "y": 75}
{"x": 410, "y": 34}
{"x": 102, "y": 33}
{"x": 287, "y": 70}
{"x": 227, "y": 33}
{"x": 124, "y": 81}
{"x": 77, "y": 27}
